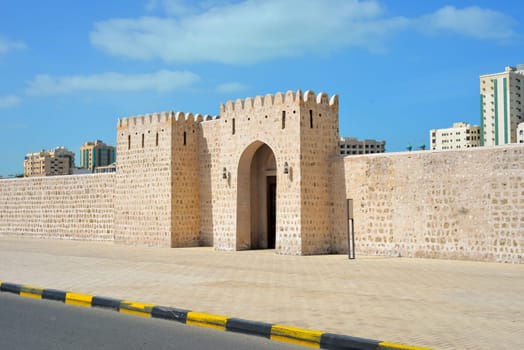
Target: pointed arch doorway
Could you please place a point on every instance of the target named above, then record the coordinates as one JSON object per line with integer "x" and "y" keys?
{"x": 256, "y": 198}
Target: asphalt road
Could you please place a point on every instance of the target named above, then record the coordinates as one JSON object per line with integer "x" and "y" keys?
{"x": 42, "y": 324}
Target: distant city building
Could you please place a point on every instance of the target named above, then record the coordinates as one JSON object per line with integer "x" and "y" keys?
{"x": 111, "y": 168}
{"x": 95, "y": 154}
{"x": 80, "y": 171}
{"x": 501, "y": 100}
{"x": 59, "y": 161}
{"x": 351, "y": 146}
{"x": 460, "y": 136}
{"x": 520, "y": 133}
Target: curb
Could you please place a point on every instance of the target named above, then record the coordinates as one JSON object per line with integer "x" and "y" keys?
{"x": 300, "y": 336}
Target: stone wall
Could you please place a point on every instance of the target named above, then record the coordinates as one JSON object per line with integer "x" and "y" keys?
{"x": 143, "y": 196}
{"x": 210, "y": 179}
{"x": 318, "y": 146}
{"x": 185, "y": 180}
{"x": 452, "y": 204}
{"x": 60, "y": 207}
{"x": 245, "y": 126}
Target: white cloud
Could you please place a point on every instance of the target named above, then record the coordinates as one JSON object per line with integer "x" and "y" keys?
{"x": 249, "y": 31}
{"x": 231, "y": 87}
{"x": 161, "y": 81}
{"x": 9, "y": 101}
{"x": 7, "y": 45}
{"x": 472, "y": 21}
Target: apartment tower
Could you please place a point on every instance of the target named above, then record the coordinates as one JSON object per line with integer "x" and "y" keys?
{"x": 96, "y": 154}
{"x": 501, "y": 102}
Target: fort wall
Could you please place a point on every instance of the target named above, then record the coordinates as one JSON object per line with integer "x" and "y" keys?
{"x": 158, "y": 180}
{"x": 277, "y": 121}
{"x": 466, "y": 204}
{"x": 246, "y": 125}
{"x": 143, "y": 196}
{"x": 210, "y": 178}
{"x": 78, "y": 207}
{"x": 186, "y": 180}
{"x": 185, "y": 170}
{"x": 318, "y": 146}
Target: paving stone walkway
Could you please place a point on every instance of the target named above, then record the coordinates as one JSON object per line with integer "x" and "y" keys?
{"x": 435, "y": 303}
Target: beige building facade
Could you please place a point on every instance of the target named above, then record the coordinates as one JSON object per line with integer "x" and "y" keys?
{"x": 267, "y": 174}
{"x": 353, "y": 146}
{"x": 501, "y": 105}
{"x": 59, "y": 161}
{"x": 460, "y": 136}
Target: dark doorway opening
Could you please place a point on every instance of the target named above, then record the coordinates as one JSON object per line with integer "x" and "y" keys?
{"x": 271, "y": 211}
{"x": 257, "y": 198}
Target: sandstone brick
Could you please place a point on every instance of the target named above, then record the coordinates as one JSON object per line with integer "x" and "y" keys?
{"x": 78, "y": 207}
{"x": 185, "y": 180}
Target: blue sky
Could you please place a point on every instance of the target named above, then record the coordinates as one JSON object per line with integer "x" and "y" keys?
{"x": 70, "y": 69}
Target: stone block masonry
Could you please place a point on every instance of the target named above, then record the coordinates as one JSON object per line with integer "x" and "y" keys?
{"x": 157, "y": 197}
{"x": 318, "y": 146}
{"x": 258, "y": 139}
{"x": 186, "y": 181}
{"x": 59, "y": 207}
{"x": 143, "y": 196}
{"x": 265, "y": 174}
{"x": 465, "y": 204}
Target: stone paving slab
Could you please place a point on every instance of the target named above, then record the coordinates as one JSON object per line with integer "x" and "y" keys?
{"x": 435, "y": 303}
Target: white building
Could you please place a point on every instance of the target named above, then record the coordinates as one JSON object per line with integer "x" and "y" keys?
{"x": 352, "y": 146}
{"x": 460, "y": 136}
{"x": 501, "y": 100}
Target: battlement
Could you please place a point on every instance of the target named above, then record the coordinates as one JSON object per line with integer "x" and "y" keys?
{"x": 162, "y": 118}
{"x": 291, "y": 97}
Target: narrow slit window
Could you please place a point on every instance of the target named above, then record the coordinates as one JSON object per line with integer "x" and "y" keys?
{"x": 156, "y": 140}
{"x": 283, "y": 119}
{"x": 233, "y": 125}
{"x": 143, "y": 140}
{"x": 311, "y": 118}
{"x": 128, "y": 141}
{"x": 185, "y": 138}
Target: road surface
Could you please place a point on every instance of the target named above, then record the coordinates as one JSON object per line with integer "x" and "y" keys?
{"x": 42, "y": 324}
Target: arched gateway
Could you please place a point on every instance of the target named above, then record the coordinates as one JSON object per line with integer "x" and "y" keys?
{"x": 256, "y": 198}
{"x": 258, "y": 176}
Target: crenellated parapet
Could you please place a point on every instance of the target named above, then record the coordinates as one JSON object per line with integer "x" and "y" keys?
{"x": 162, "y": 118}
{"x": 279, "y": 99}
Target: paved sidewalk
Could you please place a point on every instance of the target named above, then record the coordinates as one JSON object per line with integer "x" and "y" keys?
{"x": 435, "y": 303}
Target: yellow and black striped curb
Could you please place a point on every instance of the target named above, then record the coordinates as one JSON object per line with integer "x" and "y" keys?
{"x": 311, "y": 338}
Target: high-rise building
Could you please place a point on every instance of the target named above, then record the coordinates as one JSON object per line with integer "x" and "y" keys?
{"x": 59, "y": 161}
{"x": 501, "y": 100}
{"x": 460, "y": 136}
{"x": 352, "y": 146}
{"x": 95, "y": 154}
